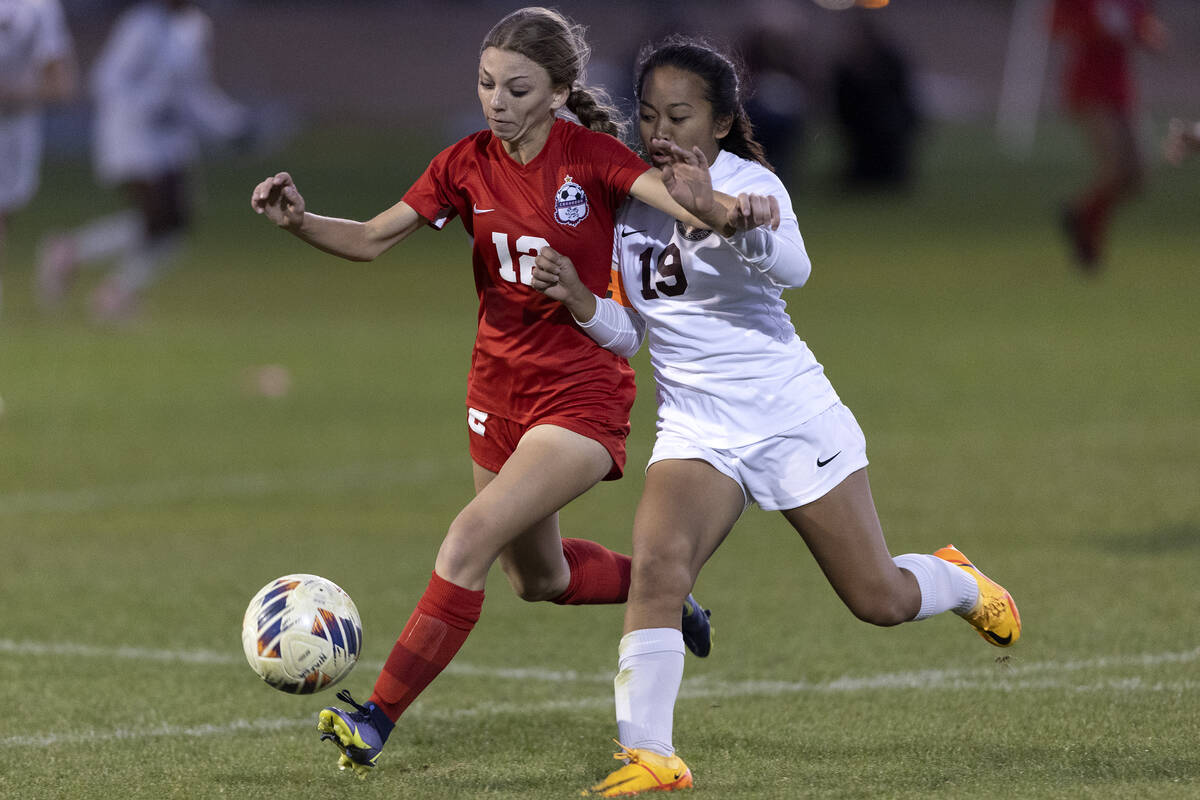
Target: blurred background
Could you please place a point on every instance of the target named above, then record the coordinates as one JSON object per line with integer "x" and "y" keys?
{"x": 411, "y": 64}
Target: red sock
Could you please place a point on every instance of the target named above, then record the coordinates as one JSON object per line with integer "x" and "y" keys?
{"x": 444, "y": 616}
{"x": 598, "y": 575}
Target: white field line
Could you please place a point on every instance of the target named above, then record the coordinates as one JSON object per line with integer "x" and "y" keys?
{"x": 487, "y": 709}
{"x": 153, "y": 493}
{"x": 12, "y": 647}
{"x": 1008, "y": 677}
{"x": 918, "y": 679}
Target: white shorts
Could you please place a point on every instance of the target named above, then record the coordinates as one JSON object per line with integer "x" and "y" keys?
{"x": 788, "y": 470}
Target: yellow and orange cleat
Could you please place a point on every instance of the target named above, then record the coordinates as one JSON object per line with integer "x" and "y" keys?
{"x": 995, "y": 614}
{"x": 644, "y": 771}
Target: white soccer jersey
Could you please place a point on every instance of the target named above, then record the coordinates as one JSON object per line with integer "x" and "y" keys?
{"x": 32, "y": 35}
{"x": 729, "y": 367}
{"x": 154, "y": 93}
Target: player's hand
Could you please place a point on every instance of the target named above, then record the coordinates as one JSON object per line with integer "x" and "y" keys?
{"x": 688, "y": 181}
{"x": 690, "y": 184}
{"x": 1182, "y": 139}
{"x": 753, "y": 210}
{"x": 554, "y": 275}
{"x": 279, "y": 200}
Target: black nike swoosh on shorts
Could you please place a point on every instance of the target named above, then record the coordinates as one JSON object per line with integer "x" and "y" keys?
{"x": 821, "y": 463}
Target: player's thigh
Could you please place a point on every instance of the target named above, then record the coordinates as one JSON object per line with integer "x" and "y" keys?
{"x": 535, "y": 555}
{"x": 687, "y": 509}
{"x": 843, "y": 533}
{"x": 549, "y": 468}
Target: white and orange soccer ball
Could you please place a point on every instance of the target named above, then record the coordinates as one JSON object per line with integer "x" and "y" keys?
{"x": 301, "y": 633}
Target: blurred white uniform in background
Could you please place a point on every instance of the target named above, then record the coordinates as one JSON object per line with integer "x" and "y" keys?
{"x": 34, "y": 42}
{"x": 155, "y": 103}
{"x": 32, "y": 36}
{"x": 155, "y": 95}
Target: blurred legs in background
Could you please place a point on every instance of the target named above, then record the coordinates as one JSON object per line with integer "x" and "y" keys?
{"x": 140, "y": 243}
{"x": 1118, "y": 178}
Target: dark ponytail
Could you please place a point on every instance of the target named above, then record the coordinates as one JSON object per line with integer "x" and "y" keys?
{"x": 724, "y": 87}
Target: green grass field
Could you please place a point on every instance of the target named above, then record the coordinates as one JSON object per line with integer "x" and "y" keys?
{"x": 1047, "y": 424}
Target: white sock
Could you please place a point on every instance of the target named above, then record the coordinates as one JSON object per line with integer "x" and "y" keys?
{"x": 108, "y": 237}
{"x": 651, "y": 669}
{"x": 944, "y": 587}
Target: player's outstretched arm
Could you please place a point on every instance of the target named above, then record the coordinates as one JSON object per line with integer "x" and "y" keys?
{"x": 278, "y": 199}
{"x": 684, "y": 190}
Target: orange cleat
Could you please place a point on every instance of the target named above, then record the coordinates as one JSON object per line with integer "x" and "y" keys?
{"x": 995, "y": 614}
{"x": 644, "y": 771}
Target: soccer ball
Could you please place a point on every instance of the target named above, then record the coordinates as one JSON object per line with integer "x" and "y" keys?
{"x": 302, "y": 633}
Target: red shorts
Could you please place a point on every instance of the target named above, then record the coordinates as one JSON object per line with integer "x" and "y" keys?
{"x": 493, "y": 439}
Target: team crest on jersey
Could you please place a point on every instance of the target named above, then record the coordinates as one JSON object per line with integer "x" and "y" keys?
{"x": 692, "y": 234}
{"x": 570, "y": 203}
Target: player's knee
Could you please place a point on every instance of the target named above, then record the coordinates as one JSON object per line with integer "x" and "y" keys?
{"x": 533, "y": 588}
{"x": 880, "y": 609}
{"x": 658, "y": 576}
{"x": 462, "y": 554}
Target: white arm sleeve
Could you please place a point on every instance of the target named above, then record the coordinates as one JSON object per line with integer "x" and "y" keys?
{"x": 615, "y": 327}
{"x": 778, "y": 254}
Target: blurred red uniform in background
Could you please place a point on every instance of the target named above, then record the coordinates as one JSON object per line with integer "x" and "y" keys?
{"x": 1099, "y": 91}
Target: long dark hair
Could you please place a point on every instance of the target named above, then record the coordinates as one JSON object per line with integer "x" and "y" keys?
{"x": 723, "y": 83}
{"x": 560, "y": 47}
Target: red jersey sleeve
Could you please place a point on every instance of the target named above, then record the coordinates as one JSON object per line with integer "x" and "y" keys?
{"x": 438, "y": 195}
{"x": 619, "y": 166}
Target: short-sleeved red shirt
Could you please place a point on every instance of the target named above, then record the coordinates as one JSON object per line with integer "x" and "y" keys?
{"x": 531, "y": 360}
{"x": 1101, "y": 34}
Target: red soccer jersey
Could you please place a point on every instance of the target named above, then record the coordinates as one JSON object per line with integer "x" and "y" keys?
{"x": 530, "y": 358}
{"x": 1101, "y": 34}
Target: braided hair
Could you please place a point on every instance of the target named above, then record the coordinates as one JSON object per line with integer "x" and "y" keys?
{"x": 559, "y": 46}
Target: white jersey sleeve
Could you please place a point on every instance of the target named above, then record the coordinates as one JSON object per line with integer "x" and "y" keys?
{"x": 615, "y": 327}
{"x": 778, "y": 254}
{"x": 212, "y": 112}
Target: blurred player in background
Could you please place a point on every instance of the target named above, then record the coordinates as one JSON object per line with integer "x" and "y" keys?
{"x": 155, "y": 101}
{"x": 548, "y": 410}
{"x": 1183, "y": 138}
{"x": 745, "y": 412}
{"x": 1101, "y": 36}
{"x": 778, "y": 56}
{"x": 37, "y": 68}
{"x": 876, "y": 107}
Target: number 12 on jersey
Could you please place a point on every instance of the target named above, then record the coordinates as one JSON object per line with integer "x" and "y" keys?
{"x": 527, "y": 249}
